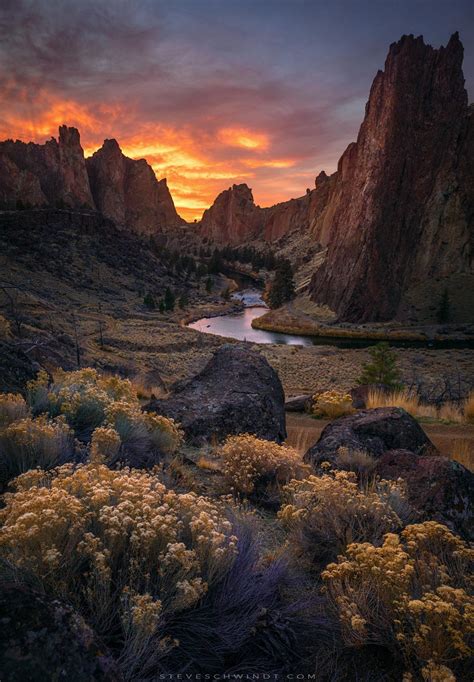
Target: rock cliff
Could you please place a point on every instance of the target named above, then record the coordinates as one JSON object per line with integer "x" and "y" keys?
{"x": 51, "y": 173}
{"x": 56, "y": 174}
{"x": 234, "y": 218}
{"x": 128, "y": 192}
{"x": 399, "y": 212}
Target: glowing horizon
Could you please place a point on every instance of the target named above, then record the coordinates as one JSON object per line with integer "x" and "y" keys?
{"x": 209, "y": 93}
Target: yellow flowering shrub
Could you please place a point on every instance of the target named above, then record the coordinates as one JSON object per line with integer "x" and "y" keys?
{"x": 105, "y": 445}
{"x": 332, "y": 404}
{"x": 248, "y": 460}
{"x": 12, "y": 407}
{"x": 326, "y": 513}
{"x": 414, "y": 593}
{"x": 90, "y": 401}
{"x": 164, "y": 432}
{"x": 116, "y": 542}
{"x": 29, "y": 443}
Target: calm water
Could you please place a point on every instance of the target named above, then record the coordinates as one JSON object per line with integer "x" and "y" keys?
{"x": 239, "y": 326}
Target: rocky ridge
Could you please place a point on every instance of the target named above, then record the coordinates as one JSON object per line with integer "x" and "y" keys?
{"x": 127, "y": 191}
{"x": 397, "y": 217}
{"x": 56, "y": 174}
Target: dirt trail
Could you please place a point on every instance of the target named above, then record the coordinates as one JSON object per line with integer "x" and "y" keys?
{"x": 452, "y": 440}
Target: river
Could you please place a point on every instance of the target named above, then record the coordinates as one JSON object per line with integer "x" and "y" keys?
{"x": 239, "y": 326}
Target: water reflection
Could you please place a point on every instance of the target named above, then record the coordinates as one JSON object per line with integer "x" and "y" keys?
{"x": 239, "y": 326}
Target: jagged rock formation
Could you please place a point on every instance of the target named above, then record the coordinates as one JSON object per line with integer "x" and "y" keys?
{"x": 400, "y": 209}
{"x": 234, "y": 218}
{"x": 45, "y": 174}
{"x": 128, "y": 192}
{"x": 56, "y": 174}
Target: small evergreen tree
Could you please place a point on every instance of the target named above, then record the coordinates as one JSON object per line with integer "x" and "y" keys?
{"x": 183, "y": 300}
{"x": 209, "y": 285}
{"x": 383, "y": 367}
{"x": 149, "y": 301}
{"x": 444, "y": 310}
{"x": 226, "y": 294}
{"x": 282, "y": 288}
{"x": 162, "y": 306}
{"x": 215, "y": 264}
{"x": 170, "y": 299}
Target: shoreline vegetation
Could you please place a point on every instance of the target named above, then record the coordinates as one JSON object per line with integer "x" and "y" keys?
{"x": 290, "y": 321}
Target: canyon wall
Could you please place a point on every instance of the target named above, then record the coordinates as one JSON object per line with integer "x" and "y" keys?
{"x": 400, "y": 210}
{"x": 397, "y": 217}
{"x": 234, "y": 218}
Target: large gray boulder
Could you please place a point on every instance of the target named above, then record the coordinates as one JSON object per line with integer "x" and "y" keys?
{"x": 237, "y": 392}
{"x": 372, "y": 431}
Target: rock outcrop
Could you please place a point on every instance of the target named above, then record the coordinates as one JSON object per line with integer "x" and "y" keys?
{"x": 237, "y": 392}
{"x": 400, "y": 209}
{"x": 52, "y": 173}
{"x": 374, "y": 432}
{"x": 55, "y": 174}
{"x": 127, "y": 191}
{"x": 234, "y": 218}
{"x": 438, "y": 487}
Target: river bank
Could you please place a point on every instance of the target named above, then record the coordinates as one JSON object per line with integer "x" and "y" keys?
{"x": 294, "y": 318}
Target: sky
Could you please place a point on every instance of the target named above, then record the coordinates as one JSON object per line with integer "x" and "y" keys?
{"x": 210, "y": 92}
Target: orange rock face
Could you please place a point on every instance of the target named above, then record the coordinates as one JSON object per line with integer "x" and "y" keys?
{"x": 234, "y": 218}
{"x": 128, "y": 192}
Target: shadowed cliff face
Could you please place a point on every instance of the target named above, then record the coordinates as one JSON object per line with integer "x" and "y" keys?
{"x": 128, "y": 192}
{"x": 400, "y": 208}
{"x": 45, "y": 174}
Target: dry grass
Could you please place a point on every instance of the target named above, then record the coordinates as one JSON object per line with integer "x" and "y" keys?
{"x": 463, "y": 452}
{"x": 208, "y": 464}
{"x": 449, "y": 412}
{"x": 469, "y": 407}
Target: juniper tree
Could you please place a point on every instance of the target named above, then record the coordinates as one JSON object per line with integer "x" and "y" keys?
{"x": 383, "y": 367}
{"x": 170, "y": 299}
{"x": 282, "y": 288}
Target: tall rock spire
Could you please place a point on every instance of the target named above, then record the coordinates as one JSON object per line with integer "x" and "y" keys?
{"x": 400, "y": 206}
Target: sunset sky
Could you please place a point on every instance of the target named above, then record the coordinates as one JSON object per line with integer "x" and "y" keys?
{"x": 210, "y": 92}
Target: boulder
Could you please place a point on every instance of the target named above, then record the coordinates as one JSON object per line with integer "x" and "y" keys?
{"x": 44, "y": 639}
{"x": 299, "y": 403}
{"x": 237, "y": 392}
{"x": 438, "y": 487}
{"x": 372, "y": 431}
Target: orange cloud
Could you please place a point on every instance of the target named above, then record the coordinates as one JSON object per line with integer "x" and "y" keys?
{"x": 241, "y": 137}
{"x": 194, "y": 161}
